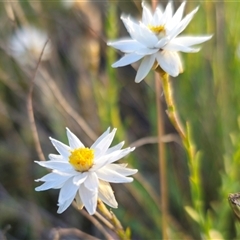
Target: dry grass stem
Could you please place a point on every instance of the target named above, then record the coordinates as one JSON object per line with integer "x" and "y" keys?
{"x": 152, "y": 140}
{"x": 68, "y": 109}
{"x": 94, "y": 221}
{"x": 58, "y": 233}
{"x": 30, "y": 109}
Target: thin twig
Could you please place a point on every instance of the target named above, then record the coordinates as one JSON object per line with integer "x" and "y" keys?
{"x": 118, "y": 228}
{"x": 30, "y": 110}
{"x": 67, "y": 107}
{"x": 104, "y": 220}
{"x": 162, "y": 160}
{"x": 161, "y": 152}
{"x": 151, "y": 140}
{"x": 94, "y": 221}
{"x": 61, "y": 232}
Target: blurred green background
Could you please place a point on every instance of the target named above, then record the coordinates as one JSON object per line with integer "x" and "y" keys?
{"x": 75, "y": 83}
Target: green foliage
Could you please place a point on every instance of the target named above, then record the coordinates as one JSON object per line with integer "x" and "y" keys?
{"x": 206, "y": 94}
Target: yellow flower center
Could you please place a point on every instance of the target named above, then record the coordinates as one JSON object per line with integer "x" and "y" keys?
{"x": 81, "y": 159}
{"x": 158, "y": 30}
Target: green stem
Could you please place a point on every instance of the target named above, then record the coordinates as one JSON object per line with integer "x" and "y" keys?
{"x": 172, "y": 113}
{"x": 111, "y": 217}
{"x": 193, "y": 162}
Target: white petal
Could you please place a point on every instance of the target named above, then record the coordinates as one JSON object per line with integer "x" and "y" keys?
{"x": 144, "y": 68}
{"x": 73, "y": 140}
{"x": 146, "y": 36}
{"x": 157, "y": 19}
{"x": 132, "y": 27}
{"x": 167, "y": 15}
{"x": 119, "y": 154}
{"x": 66, "y": 172}
{"x": 146, "y": 51}
{"x": 55, "y": 184}
{"x": 99, "y": 139}
{"x": 100, "y": 162}
{"x": 47, "y": 186}
{"x": 115, "y": 148}
{"x": 106, "y": 194}
{"x": 146, "y": 14}
{"x": 63, "y": 206}
{"x": 89, "y": 199}
{"x": 101, "y": 147}
{"x": 79, "y": 202}
{"x": 179, "y": 48}
{"x": 80, "y": 178}
{"x": 67, "y": 191}
{"x": 56, "y": 157}
{"x": 63, "y": 149}
{"x": 121, "y": 169}
{"x": 59, "y": 185}
{"x": 126, "y": 45}
{"x": 190, "y": 41}
{"x": 170, "y": 62}
{"x": 109, "y": 175}
{"x": 177, "y": 17}
{"x": 56, "y": 165}
{"x": 92, "y": 182}
{"x": 127, "y": 59}
{"x": 183, "y": 24}
{"x": 112, "y": 157}
{"x": 162, "y": 42}
{"x": 49, "y": 177}
{"x": 128, "y": 22}
{"x": 140, "y": 32}
{"x": 159, "y": 9}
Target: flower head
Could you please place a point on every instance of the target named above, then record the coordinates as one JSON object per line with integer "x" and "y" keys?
{"x": 83, "y": 173}
{"x": 26, "y": 44}
{"x": 155, "y": 39}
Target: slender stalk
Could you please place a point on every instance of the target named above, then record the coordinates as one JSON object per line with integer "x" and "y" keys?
{"x": 193, "y": 161}
{"x": 172, "y": 113}
{"x": 66, "y": 106}
{"x": 110, "y": 216}
{"x": 30, "y": 109}
{"x": 60, "y": 233}
{"x": 94, "y": 221}
{"x": 161, "y": 153}
{"x": 162, "y": 160}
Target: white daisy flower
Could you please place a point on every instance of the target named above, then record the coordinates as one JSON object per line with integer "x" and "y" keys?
{"x": 27, "y": 42}
{"x": 154, "y": 40}
{"x": 83, "y": 173}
